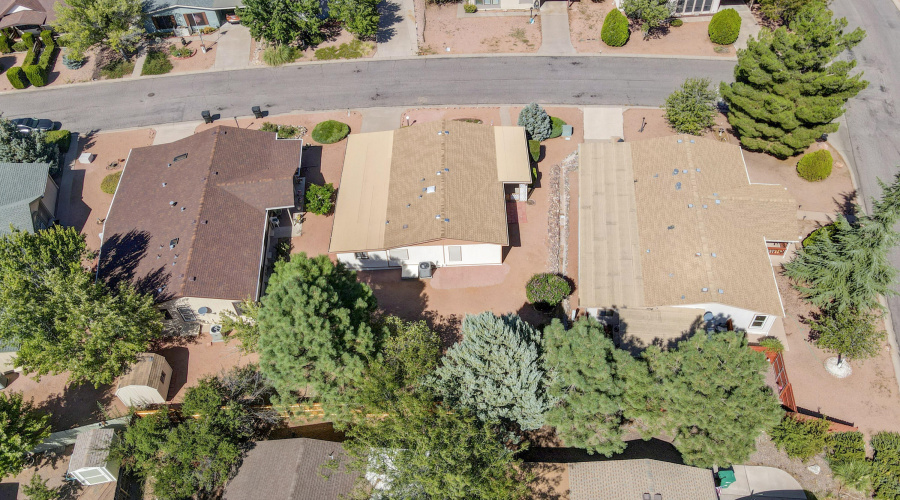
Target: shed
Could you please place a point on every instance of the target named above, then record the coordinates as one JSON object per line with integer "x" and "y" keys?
{"x": 147, "y": 382}
{"x": 90, "y": 462}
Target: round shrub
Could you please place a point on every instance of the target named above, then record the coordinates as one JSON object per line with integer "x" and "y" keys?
{"x": 110, "y": 182}
{"x": 556, "y": 125}
{"x": 534, "y": 148}
{"x": 725, "y": 27}
{"x": 615, "y": 30}
{"x": 17, "y": 77}
{"x": 676, "y": 23}
{"x": 330, "y": 132}
{"x": 815, "y": 166}
{"x": 470, "y": 8}
{"x": 547, "y": 288}
{"x": 72, "y": 61}
{"x": 320, "y": 198}
{"x": 28, "y": 39}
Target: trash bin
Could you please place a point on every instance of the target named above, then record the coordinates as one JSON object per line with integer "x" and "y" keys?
{"x": 257, "y": 112}
{"x": 726, "y": 478}
{"x": 206, "y": 116}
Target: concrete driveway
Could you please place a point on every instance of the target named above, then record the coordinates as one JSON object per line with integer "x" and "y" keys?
{"x": 396, "y": 29}
{"x": 754, "y": 482}
{"x": 233, "y": 47}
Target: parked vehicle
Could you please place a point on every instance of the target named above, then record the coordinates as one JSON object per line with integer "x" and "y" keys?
{"x": 26, "y": 125}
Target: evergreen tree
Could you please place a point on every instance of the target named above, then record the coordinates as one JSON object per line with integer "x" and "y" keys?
{"x": 359, "y": 17}
{"x": 788, "y": 87}
{"x": 419, "y": 450}
{"x": 852, "y": 334}
{"x": 244, "y": 327}
{"x": 315, "y": 330}
{"x": 650, "y": 13}
{"x": 714, "y": 395}
{"x": 21, "y": 429}
{"x": 37, "y": 489}
{"x": 60, "y": 317}
{"x": 589, "y": 385}
{"x": 116, "y": 24}
{"x": 536, "y": 122}
{"x": 692, "y": 108}
{"x": 496, "y": 371}
{"x": 283, "y": 22}
{"x": 28, "y": 148}
{"x": 848, "y": 269}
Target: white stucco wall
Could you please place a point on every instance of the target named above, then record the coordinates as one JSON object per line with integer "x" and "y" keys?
{"x": 514, "y": 4}
{"x": 740, "y": 317}
{"x": 439, "y": 255}
{"x": 216, "y": 306}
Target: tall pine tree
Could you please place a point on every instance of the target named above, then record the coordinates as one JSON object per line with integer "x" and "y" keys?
{"x": 788, "y": 88}
{"x": 314, "y": 329}
{"x": 496, "y": 371}
{"x": 588, "y": 382}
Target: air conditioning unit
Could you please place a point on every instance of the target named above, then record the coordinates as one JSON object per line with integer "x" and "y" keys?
{"x": 425, "y": 270}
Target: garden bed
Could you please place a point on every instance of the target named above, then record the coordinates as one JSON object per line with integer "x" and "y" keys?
{"x": 198, "y": 61}
{"x": 59, "y": 74}
{"x": 476, "y": 35}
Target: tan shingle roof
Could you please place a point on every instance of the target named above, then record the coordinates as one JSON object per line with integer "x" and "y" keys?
{"x": 630, "y": 479}
{"x": 91, "y": 449}
{"x": 226, "y": 183}
{"x": 708, "y": 207}
{"x": 400, "y": 188}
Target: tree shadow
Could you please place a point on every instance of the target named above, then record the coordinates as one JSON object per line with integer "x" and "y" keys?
{"x": 120, "y": 256}
{"x": 76, "y": 405}
{"x": 311, "y": 161}
{"x": 178, "y": 358}
{"x": 636, "y": 344}
{"x": 389, "y": 13}
{"x": 654, "y": 449}
{"x": 447, "y": 327}
{"x": 846, "y": 205}
{"x": 547, "y": 481}
{"x": 74, "y": 212}
{"x": 515, "y": 239}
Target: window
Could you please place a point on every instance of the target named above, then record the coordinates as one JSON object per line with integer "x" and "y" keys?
{"x": 164, "y": 22}
{"x": 361, "y": 255}
{"x": 455, "y": 254}
{"x": 196, "y": 19}
{"x": 758, "y": 321}
{"x": 398, "y": 255}
{"x": 187, "y": 315}
{"x": 162, "y": 378}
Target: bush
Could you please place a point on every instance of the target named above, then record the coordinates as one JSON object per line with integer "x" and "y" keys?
{"x": 320, "y": 199}
{"x": 856, "y": 475}
{"x": 676, "y": 23}
{"x": 772, "y": 344}
{"x": 72, "y": 61}
{"x": 651, "y": 13}
{"x": 209, "y": 30}
{"x": 725, "y": 27}
{"x": 17, "y": 77}
{"x": 801, "y": 439}
{"x": 157, "y": 63}
{"x": 547, "y": 288}
{"x": 28, "y": 39}
{"x": 30, "y": 57}
{"x": 815, "y": 166}
{"x": 109, "y": 183}
{"x": 61, "y": 138}
{"x": 20, "y": 46}
{"x": 353, "y": 50}
{"x": 48, "y": 55}
{"x": 36, "y": 74}
{"x": 822, "y": 232}
{"x": 886, "y": 465}
{"x": 283, "y": 131}
{"x": 691, "y": 109}
{"x": 47, "y": 38}
{"x": 556, "y": 126}
{"x": 180, "y": 52}
{"x": 330, "y": 132}
{"x": 842, "y": 447}
{"x": 534, "y": 148}
{"x": 280, "y": 54}
{"x": 615, "y": 31}
{"x": 117, "y": 69}
{"x": 5, "y": 47}
{"x": 470, "y": 8}
{"x": 536, "y": 122}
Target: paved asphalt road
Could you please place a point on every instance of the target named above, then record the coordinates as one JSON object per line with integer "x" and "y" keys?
{"x": 413, "y": 82}
{"x": 872, "y": 120}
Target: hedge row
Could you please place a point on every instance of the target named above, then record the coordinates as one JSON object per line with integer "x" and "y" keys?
{"x": 5, "y": 46}
{"x": 37, "y": 63}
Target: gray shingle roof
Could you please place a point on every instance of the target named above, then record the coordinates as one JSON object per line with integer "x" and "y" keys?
{"x": 91, "y": 449}
{"x": 156, "y": 5}
{"x": 20, "y": 184}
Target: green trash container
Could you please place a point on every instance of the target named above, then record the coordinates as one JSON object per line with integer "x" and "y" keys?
{"x": 726, "y": 478}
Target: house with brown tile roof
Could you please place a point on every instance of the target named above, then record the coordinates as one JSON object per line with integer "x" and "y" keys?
{"x": 673, "y": 236}
{"x": 432, "y": 194}
{"x": 28, "y": 15}
{"x": 190, "y": 220}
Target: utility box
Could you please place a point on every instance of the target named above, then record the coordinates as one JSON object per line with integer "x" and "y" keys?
{"x": 90, "y": 463}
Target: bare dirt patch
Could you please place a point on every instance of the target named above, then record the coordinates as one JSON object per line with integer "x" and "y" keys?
{"x": 476, "y": 35}
{"x": 59, "y": 74}
{"x": 690, "y": 39}
{"x": 197, "y": 62}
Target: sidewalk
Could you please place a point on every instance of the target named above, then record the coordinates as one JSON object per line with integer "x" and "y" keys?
{"x": 396, "y": 29}
{"x": 232, "y": 47}
{"x": 555, "y": 30}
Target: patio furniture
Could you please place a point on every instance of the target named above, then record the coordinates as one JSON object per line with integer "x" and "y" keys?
{"x": 86, "y": 158}
{"x": 206, "y": 116}
{"x": 257, "y": 113}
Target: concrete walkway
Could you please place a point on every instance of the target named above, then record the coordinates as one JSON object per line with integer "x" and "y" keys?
{"x": 396, "y": 29}
{"x": 749, "y": 26}
{"x": 555, "y": 39}
{"x": 139, "y": 62}
{"x": 762, "y": 482}
{"x": 381, "y": 119}
{"x": 61, "y": 439}
{"x": 232, "y": 47}
{"x": 174, "y": 131}
{"x": 603, "y": 123}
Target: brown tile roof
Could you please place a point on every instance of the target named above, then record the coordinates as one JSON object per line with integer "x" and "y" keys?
{"x": 630, "y": 479}
{"x": 221, "y": 192}
{"x": 291, "y": 469}
{"x": 709, "y": 207}
{"x": 400, "y": 188}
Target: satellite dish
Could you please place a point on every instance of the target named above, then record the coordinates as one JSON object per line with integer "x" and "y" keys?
{"x": 203, "y": 310}
{"x": 708, "y": 316}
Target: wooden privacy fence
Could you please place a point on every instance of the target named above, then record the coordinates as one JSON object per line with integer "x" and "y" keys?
{"x": 785, "y": 391}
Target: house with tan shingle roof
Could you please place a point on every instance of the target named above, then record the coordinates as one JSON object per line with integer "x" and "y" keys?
{"x": 430, "y": 195}
{"x": 192, "y": 222}
{"x": 673, "y": 236}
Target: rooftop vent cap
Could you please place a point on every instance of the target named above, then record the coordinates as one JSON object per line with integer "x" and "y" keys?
{"x": 183, "y": 209}
{"x": 173, "y": 243}
{"x": 713, "y": 254}
{"x": 180, "y": 157}
{"x": 164, "y": 184}
{"x": 429, "y": 189}
{"x": 705, "y": 206}
{"x": 677, "y": 186}
{"x": 684, "y": 171}
{"x": 671, "y": 227}
{"x": 704, "y": 289}
{"x": 721, "y": 290}
{"x": 697, "y": 254}
{"x": 680, "y": 141}
{"x": 718, "y": 202}
{"x": 690, "y": 205}
{"x": 172, "y": 203}
{"x": 675, "y": 172}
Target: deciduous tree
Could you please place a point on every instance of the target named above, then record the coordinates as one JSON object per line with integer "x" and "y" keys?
{"x": 116, "y": 24}
{"x": 315, "y": 331}
{"x": 588, "y": 382}
{"x": 60, "y": 317}
{"x": 359, "y": 17}
{"x": 496, "y": 371}
{"x": 283, "y": 22}
{"x": 692, "y": 108}
{"x": 852, "y": 334}
{"x": 243, "y": 327}
{"x": 788, "y": 87}
{"x": 22, "y": 427}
